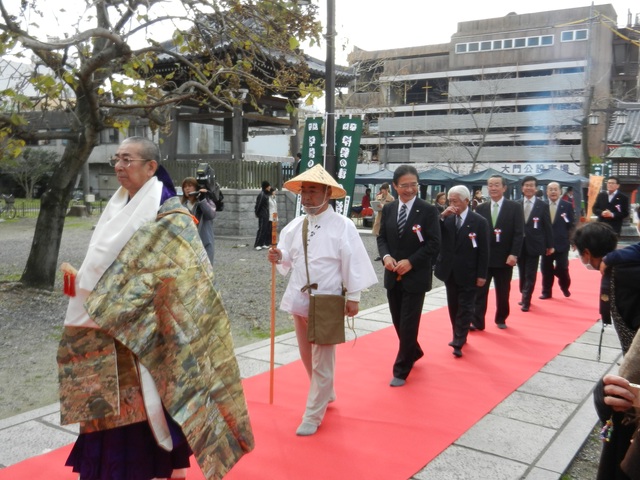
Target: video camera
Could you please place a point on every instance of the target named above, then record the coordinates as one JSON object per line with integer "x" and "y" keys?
{"x": 206, "y": 179}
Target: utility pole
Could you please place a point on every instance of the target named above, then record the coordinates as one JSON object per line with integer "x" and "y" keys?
{"x": 330, "y": 91}
{"x": 585, "y": 160}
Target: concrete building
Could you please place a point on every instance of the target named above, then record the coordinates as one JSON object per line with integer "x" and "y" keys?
{"x": 513, "y": 93}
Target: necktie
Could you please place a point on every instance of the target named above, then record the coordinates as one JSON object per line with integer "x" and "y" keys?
{"x": 458, "y": 222}
{"x": 402, "y": 219}
{"x": 527, "y": 210}
{"x": 494, "y": 213}
{"x": 552, "y": 211}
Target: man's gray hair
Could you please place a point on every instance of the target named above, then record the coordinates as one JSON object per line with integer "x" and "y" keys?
{"x": 148, "y": 149}
{"x": 461, "y": 191}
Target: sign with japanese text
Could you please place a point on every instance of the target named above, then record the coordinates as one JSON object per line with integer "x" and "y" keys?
{"x": 348, "y": 133}
{"x": 312, "y": 151}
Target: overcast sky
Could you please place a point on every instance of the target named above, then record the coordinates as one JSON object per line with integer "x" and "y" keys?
{"x": 382, "y": 24}
{"x": 374, "y": 24}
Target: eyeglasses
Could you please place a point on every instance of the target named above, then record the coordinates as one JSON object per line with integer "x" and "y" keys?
{"x": 126, "y": 161}
{"x": 405, "y": 186}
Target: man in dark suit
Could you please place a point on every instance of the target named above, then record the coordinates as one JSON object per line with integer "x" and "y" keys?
{"x": 612, "y": 207}
{"x": 538, "y": 239}
{"x": 506, "y": 225}
{"x": 562, "y": 222}
{"x": 463, "y": 261}
{"x": 409, "y": 237}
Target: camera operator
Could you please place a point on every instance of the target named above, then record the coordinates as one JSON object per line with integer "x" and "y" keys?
{"x": 198, "y": 201}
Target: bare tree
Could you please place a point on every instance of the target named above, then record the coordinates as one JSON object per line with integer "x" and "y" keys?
{"x": 105, "y": 71}
{"x": 30, "y": 167}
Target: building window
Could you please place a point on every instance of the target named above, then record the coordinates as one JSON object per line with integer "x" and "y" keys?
{"x": 546, "y": 40}
{"x": 574, "y": 35}
{"x": 138, "y": 131}
{"x": 109, "y": 136}
{"x": 508, "y": 43}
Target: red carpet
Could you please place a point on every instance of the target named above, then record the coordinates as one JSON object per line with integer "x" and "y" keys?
{"x": 374, "y": 431}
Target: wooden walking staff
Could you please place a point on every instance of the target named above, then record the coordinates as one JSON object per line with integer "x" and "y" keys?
{"x": 274, "y": 242}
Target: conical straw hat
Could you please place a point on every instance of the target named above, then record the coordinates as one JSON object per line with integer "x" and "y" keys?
{"x": 317, "y": 174}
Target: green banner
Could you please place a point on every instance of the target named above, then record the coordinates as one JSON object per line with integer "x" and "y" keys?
{"x": 312, "y": 151}
{"x": 348, "y": 133}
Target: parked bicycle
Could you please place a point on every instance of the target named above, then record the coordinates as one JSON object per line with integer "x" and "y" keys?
{"x": 9, "y": 208}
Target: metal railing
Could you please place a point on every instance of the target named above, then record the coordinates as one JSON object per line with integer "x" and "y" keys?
{"x": 31, "y": 208}
{"x": 229, "y": 174}
{"x": 232, "y": 174}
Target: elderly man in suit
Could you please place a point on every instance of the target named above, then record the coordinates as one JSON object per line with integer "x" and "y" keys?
{"x": 463, "y": 262}
{"x": 409, "y": 237}
{"x": 506, "y": 225}
{"x": 557, "y": 264}
{"x": 612, "y": 207}
{"x": 538, "y": 239}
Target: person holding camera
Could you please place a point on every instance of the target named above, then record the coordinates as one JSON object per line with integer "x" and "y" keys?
{"x": 199, "y": 203}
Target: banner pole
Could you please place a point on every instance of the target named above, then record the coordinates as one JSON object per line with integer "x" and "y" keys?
{"x": 274, "y": 242}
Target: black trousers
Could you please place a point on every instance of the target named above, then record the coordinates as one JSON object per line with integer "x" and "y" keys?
{"x": 461, "y": 301}
{"x": 528, "y": 270}
{"x": 263, "y": 235}
{"x": 502, "y": 281}
{"x": 406, "y": 309}
{"x": 555, "y": 265}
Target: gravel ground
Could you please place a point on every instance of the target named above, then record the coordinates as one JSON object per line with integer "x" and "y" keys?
{"x": 31, "y": 320}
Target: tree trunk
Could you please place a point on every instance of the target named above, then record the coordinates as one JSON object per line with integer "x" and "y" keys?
{"x": 41, "y": 267}
{"x": 40, "y": 271}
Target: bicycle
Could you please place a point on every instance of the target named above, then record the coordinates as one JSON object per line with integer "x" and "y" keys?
{"x": 9, "y": 209}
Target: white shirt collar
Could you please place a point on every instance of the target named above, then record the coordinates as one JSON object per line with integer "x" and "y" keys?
{"x": 463, "y": 215}
{"x": 409, "y": 204}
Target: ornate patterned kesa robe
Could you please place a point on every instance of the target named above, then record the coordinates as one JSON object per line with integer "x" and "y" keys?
{"x": 161, "y": 323}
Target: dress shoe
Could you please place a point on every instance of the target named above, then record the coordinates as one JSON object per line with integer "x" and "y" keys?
{"x": 525, "y": 308}
{"x": 451, "y": 343}
{"x": 472, "y": 328}
{"x": 544, "y": 296}
{"x": 305, "y": 429}
{"x": 397, "y": 382}
{"x": 519, "y": 303}
{"x": 377, "y": 259}
{"x": 457, "y": 352}
{"x": 501, "y": 326}
{"x": 566, "y": 292}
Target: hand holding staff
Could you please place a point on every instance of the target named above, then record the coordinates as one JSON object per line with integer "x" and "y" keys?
{"x": 274, "y": 242}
